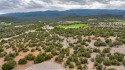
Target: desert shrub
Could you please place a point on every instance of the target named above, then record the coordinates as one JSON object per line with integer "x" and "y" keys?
{"x": 83, "y": 60}
{"x": 96, "y": 63}
{"x": 75, "y": 51}
{"x": 99, "y": 58}
{"x": 38, "y": 48}
{"x": 1, "y": 49}
{"x": 75, "y": 59}
{"x": 116, "y": 43}
{"x": 59, "y": 59}
{"x": 85, "y": 67}
{"x": 109, "y": 54}
{"x": 54, "y": 52}
{"x": 99, "y": 67}
{"x": 78, "y": 63}
{"x": 8, "y": 58}
{"x": 121, "y": 40}
{"x": 25, "y": 50}
{"x": 13, "y": 54}
{"x": 111, "y": 45}
{"x": 111, "y": 57}
{"x": 86, "y": 54}
{"x": 22, "y": 61}
{"x": 14, "y": 48}
{"x": 40, "y": 58}
{"x": 96, "y": 50}
{"x": 92, "y": 60}
{"x": 68, "y": 62}
{"x": 111, "y": 69}
{"x": 115, "y": 62}
{"x": 32, "y": 50}
{"x": 102, "y": 54}
{"x": 48, "y": 56}
{"x": 108, "y": 41}
{"x": 123, "y": 62}
{"x": 106, "y": 50}
{"x": 118, "y": 56}
{"x": 8, "y": 65}
{"x": 30, "y": 57}
{"x": 79, "y": 67}
{"x": 71, "y": 65}
{"x": 48, "y": 49}
{"x": 99, "y": 43}
{"x": 107, "y": 62}
{"x": 2, "y": 54}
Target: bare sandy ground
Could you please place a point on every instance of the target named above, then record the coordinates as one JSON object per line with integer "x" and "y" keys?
{"x": 46, "y": 66}
{"x": 48, "y": 27}
{"x": 51, "y": 65}
{"x": 117, "y": 67}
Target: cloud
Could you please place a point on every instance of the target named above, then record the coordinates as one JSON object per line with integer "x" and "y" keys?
{"x": 8, "y": 6}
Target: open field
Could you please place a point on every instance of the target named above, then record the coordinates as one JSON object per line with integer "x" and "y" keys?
{"x": 5, "y": 24}
{"x": 94, "y": 47}
{"x": 71, "y": 26}
{"x": 120, "y": 23}
{"x": 123, "y": 23}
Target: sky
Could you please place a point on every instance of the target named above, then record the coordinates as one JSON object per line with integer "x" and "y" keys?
{"x": 11, "y": 6}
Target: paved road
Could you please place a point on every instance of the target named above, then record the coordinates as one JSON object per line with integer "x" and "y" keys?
{"x": 46, "y": 66}
{"x": 16, "y": 35}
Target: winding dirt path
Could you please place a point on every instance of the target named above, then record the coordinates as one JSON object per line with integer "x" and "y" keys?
{"x": 46, "y": 66}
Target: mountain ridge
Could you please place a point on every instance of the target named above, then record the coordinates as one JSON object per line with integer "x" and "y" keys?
{"x": 55, "y": 14}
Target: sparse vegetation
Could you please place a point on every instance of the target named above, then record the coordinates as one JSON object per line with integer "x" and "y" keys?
{"x": 72, "y": 45}
{"x": 22, "y": 61}
{"x": 9, "y": 65}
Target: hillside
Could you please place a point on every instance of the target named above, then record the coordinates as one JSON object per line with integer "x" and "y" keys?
{"x": 55, "y": 14}
{"x": 76, "y": 46}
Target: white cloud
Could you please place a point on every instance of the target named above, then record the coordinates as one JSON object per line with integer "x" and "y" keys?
{"x": 96, "y": 5}
{"x": 1, "y": 13}
{"x": 8, "y": 6}
{"x": 118, "y": 4}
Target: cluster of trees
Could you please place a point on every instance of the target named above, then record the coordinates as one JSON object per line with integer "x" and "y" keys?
{"x": 72, "y": 62}
{"x": 111, "y": 59}
{"x": 99, "y": 43}
{"x": 108, "y": 42}
{"x": 42, "y": 57}
{"x": 9, "y": 65}
{"x": 50, "y": 41}
{"x": 10, "y": 31}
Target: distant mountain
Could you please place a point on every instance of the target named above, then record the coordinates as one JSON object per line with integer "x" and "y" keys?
{"x": 56, "y": 14}
{"x": 7, "y": 19}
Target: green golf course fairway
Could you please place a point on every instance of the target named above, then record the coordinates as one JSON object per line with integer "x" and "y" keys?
{"x": 123, "y": 23}
{"x": 71, "y": 26}
{"x": 4, "y": 23}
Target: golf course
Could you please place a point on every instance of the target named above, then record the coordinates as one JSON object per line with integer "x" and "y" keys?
{"x": 71, "y": 26}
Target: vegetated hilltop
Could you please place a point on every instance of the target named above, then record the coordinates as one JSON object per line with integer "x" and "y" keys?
{"x": 53, "y": 14}
{"x": 7, "y": 19}
{"x": 68, "y": 15}
{"x": 77, "y": 12}
{"x": 87, "y": 19}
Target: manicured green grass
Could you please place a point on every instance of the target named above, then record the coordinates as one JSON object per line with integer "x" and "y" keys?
{"x": 123, "y": 23}
{"x": 120, "y": 23}
{"x": 4, "y": 23}
{"x": 71, "y": 26}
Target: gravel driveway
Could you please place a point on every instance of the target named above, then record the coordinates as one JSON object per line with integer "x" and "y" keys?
{"x": 46, "y": 66}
